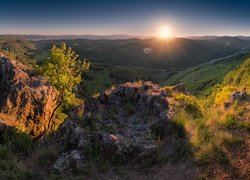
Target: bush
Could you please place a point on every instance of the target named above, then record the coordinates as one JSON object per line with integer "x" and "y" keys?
{"x": 64, "y": 70}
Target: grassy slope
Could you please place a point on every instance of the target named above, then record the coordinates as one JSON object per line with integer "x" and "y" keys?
{"x": 219, "y": 137}
{"x": 200, "y": 79}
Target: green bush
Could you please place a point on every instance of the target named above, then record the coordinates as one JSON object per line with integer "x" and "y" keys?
{"x": 64, "y": 70}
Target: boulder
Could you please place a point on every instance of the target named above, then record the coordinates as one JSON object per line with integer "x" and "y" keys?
{"x": 179, "y": 88}
{"x": 73, "y": 159}
{"x": 240, "y": 96}
{"x": 28, "y": 103}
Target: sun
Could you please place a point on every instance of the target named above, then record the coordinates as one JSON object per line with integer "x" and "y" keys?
{"x": 165, "y": 32}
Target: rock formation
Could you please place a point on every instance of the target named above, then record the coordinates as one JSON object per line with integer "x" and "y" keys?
{"x": 28, "y": 103}
{"x": 122, "y": 124}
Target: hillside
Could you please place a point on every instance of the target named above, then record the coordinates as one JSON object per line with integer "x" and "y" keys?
{"x": 130, "y": 130}
{"x": 232, "y": 41}
{"x": 198, "y": 79}
{"x": 20, "y": 48}
{"x": 175, "y": 53}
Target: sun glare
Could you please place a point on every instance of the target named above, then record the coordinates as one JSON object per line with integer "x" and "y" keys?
{"x": 165, "y": 32}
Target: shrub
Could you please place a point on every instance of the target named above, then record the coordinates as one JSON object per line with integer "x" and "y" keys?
{"x": 224, "y": 94}
{"x": 64, "y": 70}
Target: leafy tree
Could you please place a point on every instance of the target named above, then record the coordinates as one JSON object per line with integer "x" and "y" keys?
{"x": 64, "y": 70}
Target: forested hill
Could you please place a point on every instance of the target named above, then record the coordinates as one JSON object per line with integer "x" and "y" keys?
{"x": 153, "y": 53}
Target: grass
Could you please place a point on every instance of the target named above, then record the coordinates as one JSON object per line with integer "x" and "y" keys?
{"x": 45, "y": 157}
{"x": 14, "y": 147}
{"x": 200, "y": 80}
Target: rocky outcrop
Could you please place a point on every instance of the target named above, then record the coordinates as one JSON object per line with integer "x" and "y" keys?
{"x": 28, "y": 103}
{"x": 180, "y": 88}
{"x": 240, "y": 96}
{"x": 123, "y": 124}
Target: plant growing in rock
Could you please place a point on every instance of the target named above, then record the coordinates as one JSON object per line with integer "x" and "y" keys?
{"x": 64, "y": 70}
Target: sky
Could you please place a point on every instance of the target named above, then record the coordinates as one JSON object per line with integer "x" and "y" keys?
{"x": 131, "y": 17}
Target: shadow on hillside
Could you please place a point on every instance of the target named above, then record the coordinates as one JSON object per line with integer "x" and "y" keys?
{"x": 14, "y": 140}
{"x": 176, "y": 142}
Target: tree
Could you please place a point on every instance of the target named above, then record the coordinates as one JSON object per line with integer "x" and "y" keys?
{"x": 63, "y": 69}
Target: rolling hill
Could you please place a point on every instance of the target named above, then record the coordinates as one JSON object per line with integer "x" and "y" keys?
{"x": 153, "y": 53}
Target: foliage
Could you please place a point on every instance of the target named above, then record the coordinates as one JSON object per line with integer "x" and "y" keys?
{"x": 224, "y": 94}
{"x": 189, "y": 103}
{"x": 64, "y": 70}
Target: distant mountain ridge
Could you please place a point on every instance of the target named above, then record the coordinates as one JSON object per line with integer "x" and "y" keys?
{"x": 36, "y": 37}
{"x": 68, "y": 37}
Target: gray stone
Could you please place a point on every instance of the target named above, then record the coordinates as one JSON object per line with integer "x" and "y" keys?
{"x": 68, "y": 160}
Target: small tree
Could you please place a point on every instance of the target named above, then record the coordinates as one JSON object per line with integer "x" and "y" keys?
{"x": 64, "y": 70}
